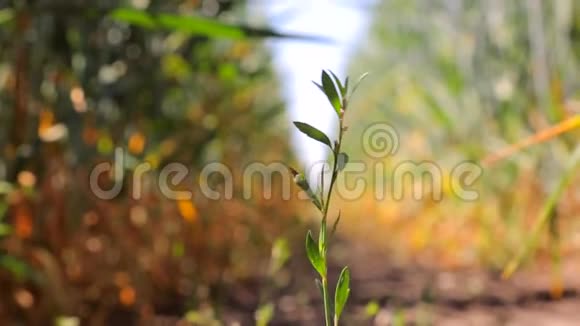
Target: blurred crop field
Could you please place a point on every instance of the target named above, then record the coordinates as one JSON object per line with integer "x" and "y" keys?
{"x": 103, "y": 104}
{"x": 468, "y": 83}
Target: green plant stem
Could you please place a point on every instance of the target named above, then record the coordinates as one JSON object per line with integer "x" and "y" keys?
{"x": 325, "y": 299}
{"x": 334, "y": 171}
{"x": 323, "y": 225}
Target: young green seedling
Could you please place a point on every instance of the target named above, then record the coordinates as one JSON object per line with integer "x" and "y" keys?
{"x": 338, "y": 94}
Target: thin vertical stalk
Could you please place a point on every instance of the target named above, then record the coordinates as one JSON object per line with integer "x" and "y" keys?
{"x": 326, "y": 300}
{"x": 323, "y": 224}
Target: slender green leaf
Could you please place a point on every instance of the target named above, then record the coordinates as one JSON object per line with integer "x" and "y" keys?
{"x": 200, "y": 26}
{"x": 314, "y": 255}
{"x": 342, "y": 292}
{"x": 439, "y": 113}
{"x": 315, "y": 200}
{"x": 313, "y": 133}
{"x": 134, "y": 17}
{"x": 335, "y": 225}
{"x": 330, "y": 91}
{"x": 341, "y": 161}
{"x": 195, "y": 25}
{"x": 339, "y": 84}
{"x": 319, "y": 86}
{"x": 356, "y": 85}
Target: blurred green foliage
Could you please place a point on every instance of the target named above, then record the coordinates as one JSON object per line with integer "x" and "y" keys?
{"x": 166, "y": 81}
{"x": 460, "y": 80}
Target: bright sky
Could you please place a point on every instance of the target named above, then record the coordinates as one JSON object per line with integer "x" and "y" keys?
{"x": 300, "y": 62}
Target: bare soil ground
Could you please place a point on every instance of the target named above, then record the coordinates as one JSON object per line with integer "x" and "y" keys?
{"x": 423, "y": 296}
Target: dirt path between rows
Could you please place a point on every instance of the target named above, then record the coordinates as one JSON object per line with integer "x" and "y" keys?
{"x": 423, "y": 296}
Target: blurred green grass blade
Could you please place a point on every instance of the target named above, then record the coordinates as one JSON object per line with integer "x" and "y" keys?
{"x": 547, "y": 213}
{"x": 360, "y": 79}
{"x": 195, "y": 25}
{"x": 451, "y": 75}
{"x": 134, "y": 17}
{"x": 200, "y": 26}
{"x": 17, "y": 267}
{"x": 438, "y": 112}
{"x": 187, "y": 24}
